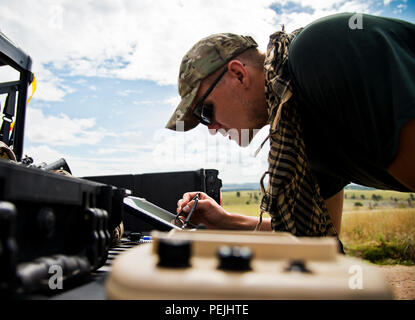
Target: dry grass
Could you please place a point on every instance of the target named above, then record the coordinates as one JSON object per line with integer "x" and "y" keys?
{"x": 381, "y": 231}
{"x": 380, "y": 236}
{"x": 246, "y": 203}
{"x": 371, "y": 225}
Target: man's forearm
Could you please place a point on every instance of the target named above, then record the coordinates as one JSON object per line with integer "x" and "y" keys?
{"x": 238, "y": 221}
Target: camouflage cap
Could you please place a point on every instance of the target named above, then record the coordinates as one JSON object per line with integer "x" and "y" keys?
{"x": 204, "y": 58}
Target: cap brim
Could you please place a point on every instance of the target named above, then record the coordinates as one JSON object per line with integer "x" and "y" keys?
{"x": 183, "y": 118}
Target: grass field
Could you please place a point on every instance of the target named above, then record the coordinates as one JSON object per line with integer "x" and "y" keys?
{"x": 377, "y": 225}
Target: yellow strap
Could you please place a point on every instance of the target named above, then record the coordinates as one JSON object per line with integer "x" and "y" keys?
{"x": 33, "y": 92}
{"x": 33, "y": 89}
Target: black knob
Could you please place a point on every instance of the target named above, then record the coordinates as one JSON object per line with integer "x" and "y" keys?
{"x": 235, "y": 258}
{"x": 174, "y": 253}
{"x": 298, "y": 266}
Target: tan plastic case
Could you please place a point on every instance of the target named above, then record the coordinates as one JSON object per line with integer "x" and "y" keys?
{"x": 135, "y": 274}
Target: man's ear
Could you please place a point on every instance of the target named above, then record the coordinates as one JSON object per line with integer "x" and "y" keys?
{"x": 238, "y": 71}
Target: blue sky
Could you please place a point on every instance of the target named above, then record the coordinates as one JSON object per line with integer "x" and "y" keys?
{"x": 107, "y": 71}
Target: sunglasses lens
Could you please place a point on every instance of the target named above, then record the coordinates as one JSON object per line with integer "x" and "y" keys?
{"x": 206, "y": 114}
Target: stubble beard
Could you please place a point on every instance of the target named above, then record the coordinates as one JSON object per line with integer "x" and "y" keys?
{"x": 256, "y": 120}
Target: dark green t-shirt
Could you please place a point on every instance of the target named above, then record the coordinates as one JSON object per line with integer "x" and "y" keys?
{"x": 355, "y": 90}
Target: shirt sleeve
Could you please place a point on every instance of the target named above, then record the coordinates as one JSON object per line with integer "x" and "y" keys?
{"x": 329, "y": 185}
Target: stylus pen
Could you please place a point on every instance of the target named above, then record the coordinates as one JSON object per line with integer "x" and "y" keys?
{"x": 189, "y": 216}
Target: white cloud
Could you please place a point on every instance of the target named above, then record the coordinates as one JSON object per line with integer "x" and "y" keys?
{"x": 43, "y": 153}
{"x": 399, "y": 8}
{"x": 79, "y": 166}
{"x": 7, "y": 73}
{"x": 127, "y": 92}
{"x": 62, "y": 130}
{"x": 320, "y": 8}
{"x": 107, "y": 151}
{"x": 49, "y": 87}
{"x": 137, "y": 39}
{"x": 81, "y": 82}
{"x": 173, "y": 101}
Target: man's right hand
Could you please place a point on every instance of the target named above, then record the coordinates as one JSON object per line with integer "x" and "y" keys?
{"x": 208, "y": 211}
{"x": 213, "y": 216}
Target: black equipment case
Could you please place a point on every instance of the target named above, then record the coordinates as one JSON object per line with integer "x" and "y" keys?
{"x": 162, "y": 189}
{"x": 47, "y": 219}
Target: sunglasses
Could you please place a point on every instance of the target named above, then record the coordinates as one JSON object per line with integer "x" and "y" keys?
{"x": 204, "y": 112}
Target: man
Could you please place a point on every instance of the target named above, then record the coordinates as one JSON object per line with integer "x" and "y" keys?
{"x": 340, "y": 101}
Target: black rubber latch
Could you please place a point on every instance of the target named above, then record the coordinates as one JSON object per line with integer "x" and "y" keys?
{"x": 174, "y": 253}
{"x": 234, "y": 258}
{"x": 298, "y": 265}
{"x": 135, "y": 236}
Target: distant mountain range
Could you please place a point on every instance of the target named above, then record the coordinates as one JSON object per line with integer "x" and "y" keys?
{"x": 255, "y": 186}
